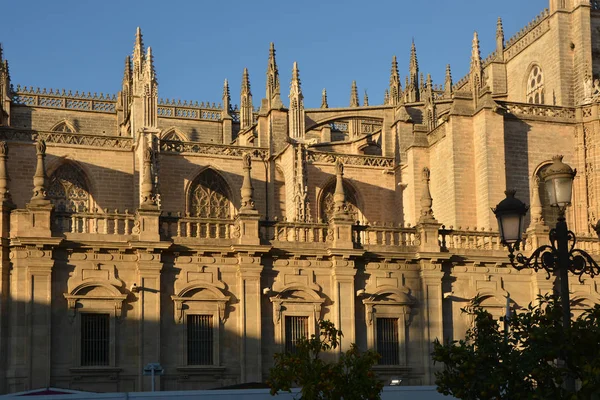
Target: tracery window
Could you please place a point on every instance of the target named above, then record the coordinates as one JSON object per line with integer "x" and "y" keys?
{"x": 327, "y": 202}
{"x": 63, "y": 126}
{"x": 68, "y": 190}
{"x": 172, "y": 135}
{"x": 209, "y": 196}
{"x": 535, "y": 86}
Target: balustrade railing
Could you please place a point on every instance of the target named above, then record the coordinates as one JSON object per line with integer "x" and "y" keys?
{"x": 282, "y": 231}
{"x": 370, "y": 235}
{"x": 458, "y": 239}
{"x": 178, "y": 227}
{"x": 107, "y": 223}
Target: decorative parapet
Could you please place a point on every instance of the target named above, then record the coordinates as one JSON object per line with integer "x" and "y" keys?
{"x": 527, "y": 35}
{"x": 192, "y": 110}
{"x": 373, "y": 236}
{"x": 466, "y": 239}
{"x": 115, "y": 223}
{"x": 64, "y": 138}
{"x": 366, "y": 126}
{"x": 541, "y": 112}
{"x": 186, "y": 228}
{"x": 50, "y": 98}
{"x": 177, "y": 147}
{"x": 349, "y": 159}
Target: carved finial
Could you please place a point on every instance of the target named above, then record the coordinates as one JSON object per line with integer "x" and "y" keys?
{"x": 40, "y": 179}
{"x": 339, "y": 196}
{"x": 246, "y": 107}
{"x": 395, "y": 88}
{"x": 366, "y": 99}
{"x": 386, "y": 97}
{"x": 247, "y": 190}
{"x": 324, "y": 103}
{"x": 448, "y": 81}
{"x": 149, "y": 66}
{"x": 475, "y": 53}
{"x": 4, "y": 193}
{"x": 138, "y": 51}
{"x": 148, "y": 198}
{"x": 296, "y": 110}
{"x": 354, "y": 95}
{"x": 226, "y": 98}
{"x": 412, "y": 85}
{"x": 499, "y": 40}
{"x": 426, "y": 200}
{"x": 273, "y": 89}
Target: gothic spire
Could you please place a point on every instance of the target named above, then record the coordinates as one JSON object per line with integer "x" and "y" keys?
{"x": 296, "y": 110}
{"x": 273, "y": 89}
{"x": 366, "y": 99}
{"x": 413, "y": 72}
{"x": 226, "y": 98}
{"x": 448, "y": 81}
{"x": 246, "y": 107}
{"x": 149, "y": 66}
{"x": 127, "y": 71}
{"x": 499, "y": 39}
{"x": 386, "y": 97}
{"x": 475, "y": 54}
{"x": 395, "y": 86}
{"x": 138, "y": 52}
{"x": 324, "y": 103}
{"x": 354, "y": 95}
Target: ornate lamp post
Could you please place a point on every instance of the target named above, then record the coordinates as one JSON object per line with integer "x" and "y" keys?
{"x": 561, "y": 256}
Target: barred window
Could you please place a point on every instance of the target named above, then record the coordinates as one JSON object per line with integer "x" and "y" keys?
{"x": 68, "y": 190}
{"x": 209, "y": 197}
{"x": 388, "y": 345}
{"x": 296, "y": 328}
{"x": 95, "y": 339}
{"x": 200, "y": 339}
{"x": 327, "y": 203}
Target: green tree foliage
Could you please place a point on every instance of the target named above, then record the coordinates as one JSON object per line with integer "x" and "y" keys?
{"x": 350, "y": 378}
{"x": 524, "y": 360}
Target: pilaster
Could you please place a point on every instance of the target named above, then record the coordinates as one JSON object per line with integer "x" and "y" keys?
{"x": 431, "y": 282}
{"x": 249, "y": 317}
{"x": 344, "y": 313}
{"x": 149, "y": 267}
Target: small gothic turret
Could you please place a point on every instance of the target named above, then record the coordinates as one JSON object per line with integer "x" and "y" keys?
{"x": 448, "y": 81}
{"x": 324, "y": 103}
{"x": 499, "y": 40}
{"x": 226, "y": 99}
{"x": 395, "y": 89}
{"x": 126, "y": 89}
{"x": 150, "y": 92}
{"x": 354, "y": 95}
{"x": 4, "y": 91}
{"x": 143, "y": 103}
{"x": 296, "y": 110}
{"x": 246, "y": 107}
{"x": 247, "y": 190}
{"x": 366, "y": 99}
{"x": 475, "y": 71}
{"x": 273, "y": 90}
{"x": 138, "y": 52}
{"x": 386, "y": 97}
{"x": 413, "y": 69}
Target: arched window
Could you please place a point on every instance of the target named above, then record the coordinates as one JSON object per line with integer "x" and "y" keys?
{"x": 63, "y": 126}
{"x": 209, "y": 196}
{"x": 535, "y": 86}
{"x": 327, "y": 204}
{"x": 172, "y": 135}
{"x": 68, "y": 189}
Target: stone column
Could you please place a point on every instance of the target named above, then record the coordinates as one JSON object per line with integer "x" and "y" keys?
{"x": 249, "y": 318}
{"x": 149, "y": 267}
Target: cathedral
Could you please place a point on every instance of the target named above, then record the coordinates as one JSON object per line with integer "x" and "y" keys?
{"x": 208, "y": 237}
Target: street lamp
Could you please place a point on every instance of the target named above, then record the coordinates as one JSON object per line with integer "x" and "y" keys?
{"x": 561, "y": 256}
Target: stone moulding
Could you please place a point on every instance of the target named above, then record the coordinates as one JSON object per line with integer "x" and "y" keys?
{"x": 176, "y": 147}
{"x": 347, "y": 159}
{"x": 64, "y": 138}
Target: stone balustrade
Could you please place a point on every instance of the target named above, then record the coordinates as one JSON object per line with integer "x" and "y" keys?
{"x": 282, "y": 231}
{"x": 370, "y": 236}
{"x": 104, "y": 223}
{"x": 187, "y": 227}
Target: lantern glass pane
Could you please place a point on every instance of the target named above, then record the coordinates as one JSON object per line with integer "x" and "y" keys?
{"x": 510, "y": 227}
{"x": 563, "y": 188}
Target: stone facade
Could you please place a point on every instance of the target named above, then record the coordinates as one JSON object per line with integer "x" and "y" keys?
{"x": 207, "y": 237}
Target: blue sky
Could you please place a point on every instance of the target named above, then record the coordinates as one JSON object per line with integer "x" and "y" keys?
{"x": 81, "y": 45}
